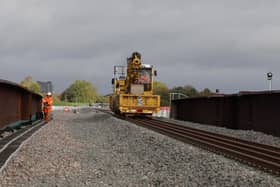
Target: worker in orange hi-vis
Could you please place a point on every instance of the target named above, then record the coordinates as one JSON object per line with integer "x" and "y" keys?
{"x": 47, "y": 106}
{"x": 144, "y": 79}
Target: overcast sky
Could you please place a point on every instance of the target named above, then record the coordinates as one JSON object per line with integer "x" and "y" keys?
{"x": 226, "y": 45}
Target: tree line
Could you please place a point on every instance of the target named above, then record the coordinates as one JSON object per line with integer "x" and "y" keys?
{"x": 81, "y": 91}
{"x": 186, "y": 91}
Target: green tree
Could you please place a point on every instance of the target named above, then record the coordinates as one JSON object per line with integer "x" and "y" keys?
{"x": 30, "y": 84}
{"x": 80, "y": 91}
{"x": 161, "y": 89}
{"x": 205, "y": 92}
{"x": 56, "y": 98}
{"x": 187, "y": 90}
{"x": 102, "y": 99}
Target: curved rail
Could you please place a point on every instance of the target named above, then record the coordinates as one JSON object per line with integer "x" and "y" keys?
{"x": 10, "y": 144}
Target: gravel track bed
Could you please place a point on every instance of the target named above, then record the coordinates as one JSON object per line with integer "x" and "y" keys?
{"x": 249, "y": 135}
{"x": 96, "y": 149}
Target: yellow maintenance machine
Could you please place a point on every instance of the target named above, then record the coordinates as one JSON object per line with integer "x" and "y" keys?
{"x": 133, "y": 88}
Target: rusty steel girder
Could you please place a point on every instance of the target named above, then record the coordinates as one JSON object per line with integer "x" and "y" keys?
{"x": 17, "y": 103}
{"x": 257, "y": 111}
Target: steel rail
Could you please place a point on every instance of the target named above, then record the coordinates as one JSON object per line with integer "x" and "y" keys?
{"x": 260, "y": 156}
{"x": 266, "y": 150}
{"x": 232, "y": 139}
{"x": 10, "y": 144}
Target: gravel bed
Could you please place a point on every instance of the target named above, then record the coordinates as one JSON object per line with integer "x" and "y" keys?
{"x": 96, "y": 149}
{"x": 8, "y": 133}
{"x": 49, "y": 158}
{"x": 249, "y": 135}
{"x": 5, "y": 134}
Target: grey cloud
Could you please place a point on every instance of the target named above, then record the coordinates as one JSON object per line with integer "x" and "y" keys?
{"x": 189, "y": 42}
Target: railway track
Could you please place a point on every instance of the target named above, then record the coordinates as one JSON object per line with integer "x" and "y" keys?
{"x": 258, "y": 155}
{"x": 11, "y": 143}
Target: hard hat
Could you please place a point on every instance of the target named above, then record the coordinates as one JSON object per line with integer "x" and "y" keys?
{"x": 49, "y": 93}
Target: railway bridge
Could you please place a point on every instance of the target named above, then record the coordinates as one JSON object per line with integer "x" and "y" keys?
{"x": 93, "y": 147}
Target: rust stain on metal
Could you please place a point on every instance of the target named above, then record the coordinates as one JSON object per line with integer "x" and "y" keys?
{"x": 257, "y": 111}
{"x": 17, "y": 103}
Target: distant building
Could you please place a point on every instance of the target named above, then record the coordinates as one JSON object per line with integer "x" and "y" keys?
{"x": 45, "y": 87}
